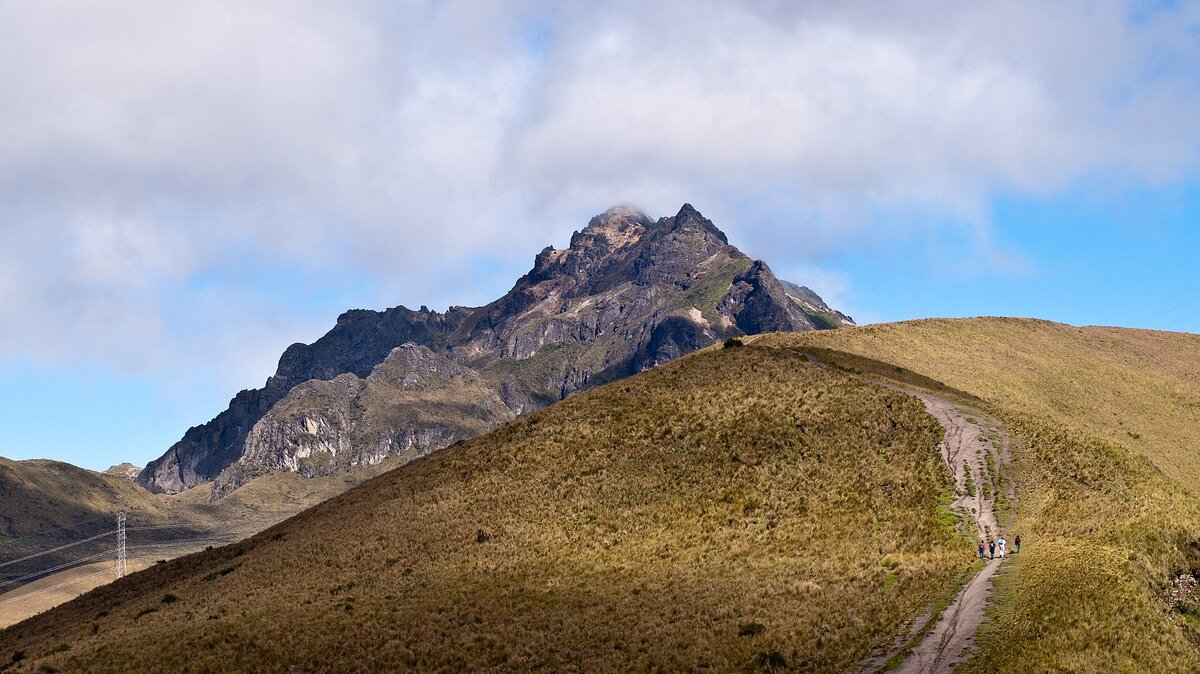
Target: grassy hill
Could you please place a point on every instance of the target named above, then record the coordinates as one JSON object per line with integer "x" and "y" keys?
{"x": 1109, "y": 466}
{"x": 739, "y": 508}
{"x": 38, "y": 496}
{"x": 48, "y": 504}
{"x": 1136, "y": 388}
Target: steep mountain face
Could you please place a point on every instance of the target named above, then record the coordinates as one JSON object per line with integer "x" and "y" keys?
{"x": 360, "y": 340}
{"x": 413, "y": 402}
{"x": 814, "y": 307}
{"x": 628, "y": 293}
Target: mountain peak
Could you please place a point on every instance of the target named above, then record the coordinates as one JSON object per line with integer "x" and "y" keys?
{"x": 615, "y": 227}
{"x": 629, "y": 293}
{"x": 126, "y": 470}
{"x": 688, "y": 218}
{"x": 622, "y": 211}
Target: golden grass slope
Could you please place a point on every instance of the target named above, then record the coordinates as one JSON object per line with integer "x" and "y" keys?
{"x": 1107, "y": 431}
{"x": 737, "y": 509}
{"x": 46, "y": 504}
{"x": 1136, "y": 388}
{"x": 1105, "y": 538}
{"x": 42, "y": 502}
{"x": 39, "y": 495}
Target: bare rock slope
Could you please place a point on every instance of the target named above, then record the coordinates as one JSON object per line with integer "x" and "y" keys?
{"x": 627, "y": 294}
{"x": 412, "y": 403}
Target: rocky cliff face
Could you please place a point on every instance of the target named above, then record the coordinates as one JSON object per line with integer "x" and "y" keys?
{"x": 412, "y": 403}
{"x": 360, "y": 340}
{"x": 627, "y": 294}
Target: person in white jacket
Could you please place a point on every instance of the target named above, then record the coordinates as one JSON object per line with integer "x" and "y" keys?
{"x": 1001, "y": 546}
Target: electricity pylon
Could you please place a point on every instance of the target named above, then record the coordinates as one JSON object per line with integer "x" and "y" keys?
{"x": 121, "y": 570}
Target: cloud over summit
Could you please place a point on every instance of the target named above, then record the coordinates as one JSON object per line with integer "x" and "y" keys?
{"x": 169, "y": 164}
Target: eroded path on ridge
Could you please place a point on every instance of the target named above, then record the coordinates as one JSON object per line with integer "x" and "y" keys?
{"x": 976, "y": 450}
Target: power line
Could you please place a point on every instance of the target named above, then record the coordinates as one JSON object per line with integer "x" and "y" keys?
{"x": 195, "y": 525}
{"x": 176, "y": 526}
{"x": 99, "y": 535}
{"x": 54, "y": 587}
{"x": 61, "y": 547}
{"x": 231, "y": 535}
{"x": 214, "y": 536}
{"x": 56, "y": 568}
{"x": 159, "y": 526}
{"x": 1186, "y": 321}
{"x": 185, "y": 543}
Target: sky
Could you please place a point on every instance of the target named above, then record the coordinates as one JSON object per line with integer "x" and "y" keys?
{"x": 188, "y": 188}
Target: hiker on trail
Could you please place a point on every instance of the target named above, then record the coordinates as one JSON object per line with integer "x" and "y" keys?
{"x": 1002, "y": 542}
{"x": 1017, "y": 541}
{"x": 981, "y": 548}
{"x": 992, "y": 548}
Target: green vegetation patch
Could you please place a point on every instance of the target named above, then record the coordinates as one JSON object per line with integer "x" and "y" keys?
{"x": 822, "y": 320}
{"x": 707, "y": 293}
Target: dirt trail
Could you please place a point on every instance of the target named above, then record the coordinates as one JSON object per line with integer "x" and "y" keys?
{"x": 976, "y": 449}
{"x": 975, "y": 446}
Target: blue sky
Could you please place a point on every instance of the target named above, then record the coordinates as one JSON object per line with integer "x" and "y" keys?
{"x": 186, "y": 190}
{"x": 1124, "y": 260}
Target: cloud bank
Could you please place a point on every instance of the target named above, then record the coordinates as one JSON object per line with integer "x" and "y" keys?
{"x": 182, "y": 185}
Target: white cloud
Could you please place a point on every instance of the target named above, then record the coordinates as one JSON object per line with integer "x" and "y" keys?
{"x": 845, "y": 106}
{"x": 146, "y": 147}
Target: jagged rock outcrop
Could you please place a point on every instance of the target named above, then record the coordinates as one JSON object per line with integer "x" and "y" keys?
{"x": 819, "y": 313}
{"x": 360, "y": 340}
{"x": 627, "y": 294}
{"x": 125, "y": 470}
{"x": 412, "y": 403}
{"x": 758, "y": 303}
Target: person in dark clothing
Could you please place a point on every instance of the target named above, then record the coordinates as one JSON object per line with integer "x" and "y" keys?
{"x": 981, "y": 548}
{"x": 1017, "y": 542}
{"x": 992, "y": 549}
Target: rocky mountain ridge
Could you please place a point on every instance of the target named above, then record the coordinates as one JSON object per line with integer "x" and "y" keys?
{"x": 126, "y": 470}
{"x": 627, "y": 294}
